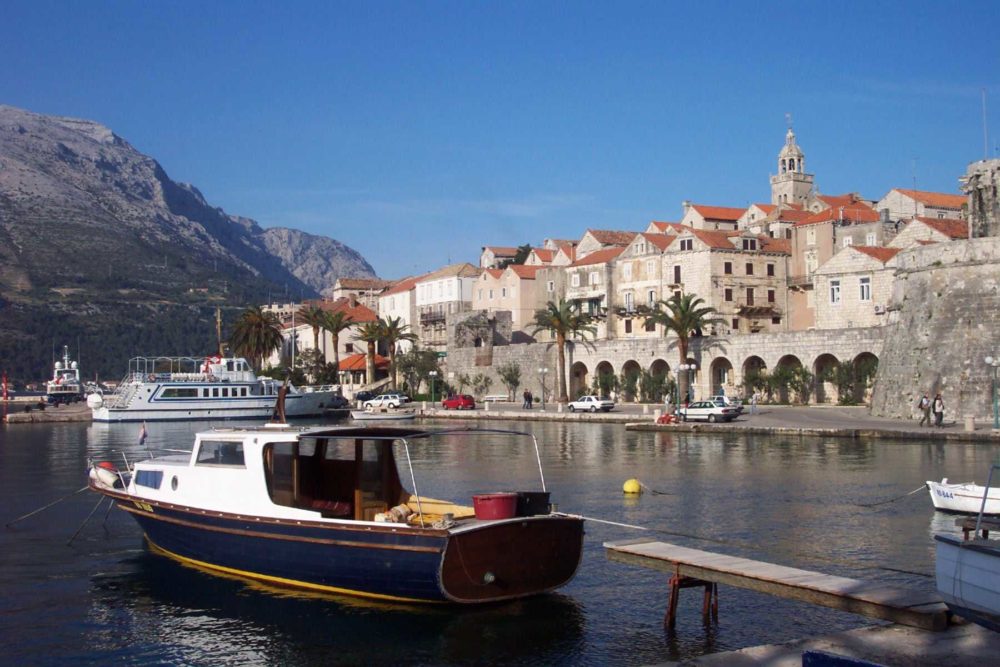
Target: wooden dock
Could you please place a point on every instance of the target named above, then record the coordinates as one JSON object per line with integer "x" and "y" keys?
{"x": 890, "y": 603}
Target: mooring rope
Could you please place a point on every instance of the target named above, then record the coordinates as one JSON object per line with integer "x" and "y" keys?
{"x": 891, "y": 500}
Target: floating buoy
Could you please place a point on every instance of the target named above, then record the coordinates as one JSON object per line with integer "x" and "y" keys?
{"x": 632, "y": 487}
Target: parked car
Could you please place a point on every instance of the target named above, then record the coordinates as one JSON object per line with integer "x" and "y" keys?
{"x": 725, "y": 401}
{"x": 708, "y": 411}
{"x": 364, "y": 395}
{"x": 459, "y": 402}
{"x": 338, "y": 403}
{"x": 385, "y": 401}
{"x": 592, "y": 404}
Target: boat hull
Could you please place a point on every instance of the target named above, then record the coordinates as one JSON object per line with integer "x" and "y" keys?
{"x": 311, "y": 404}
{"x": 968, "y": 579}
{"x": 384, "y": 561}
{"x": 963, "y": 498}
{"x": 390, "y": 415}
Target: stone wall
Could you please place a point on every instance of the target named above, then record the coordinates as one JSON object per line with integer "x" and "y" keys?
{"x": 944, "y": 319}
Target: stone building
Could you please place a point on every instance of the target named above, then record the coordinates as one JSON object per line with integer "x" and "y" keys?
{"x": 903, "y": 204}
{"x": 638, "y": 284}
{"x": 399, "y": 301}
{"x": 791, "y": 185}
{"x": 981, "y": 183}
{"x": 853, "y": 288}
{"x": 494, "y": 257}
{"x": 590, "y": 283}
{"x": 437, "y": 295}
{"x": 364, "y": 290}
{"x": 711, "y": 218}
{"x": 921, "y": 231}
{"x": 512, "y": 290}
{"x": 599, "y": 239}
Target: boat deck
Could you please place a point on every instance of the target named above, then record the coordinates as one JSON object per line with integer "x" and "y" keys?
{"x": 873, "y": 599}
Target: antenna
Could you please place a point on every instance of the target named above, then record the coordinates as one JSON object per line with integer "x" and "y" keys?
{"x": 788, "y": 120}
{"x": 986, "y": 135}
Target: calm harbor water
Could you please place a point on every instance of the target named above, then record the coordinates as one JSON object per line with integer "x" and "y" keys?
{"x": 106, "y": 599}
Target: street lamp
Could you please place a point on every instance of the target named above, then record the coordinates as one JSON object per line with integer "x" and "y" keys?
{"x": 683, "y": 368}
{"x": 995, "y": 365}
{"x": 542, "y": 372}
{"x": 433, "y": 375}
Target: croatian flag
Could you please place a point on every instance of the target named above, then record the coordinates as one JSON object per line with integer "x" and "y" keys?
{"x": 142, "y": 434}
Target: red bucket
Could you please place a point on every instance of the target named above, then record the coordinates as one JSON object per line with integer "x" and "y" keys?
{"x": 495, "y": 505}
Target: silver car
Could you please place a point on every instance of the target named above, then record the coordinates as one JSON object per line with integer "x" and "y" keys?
{"x": 708, "y": 411}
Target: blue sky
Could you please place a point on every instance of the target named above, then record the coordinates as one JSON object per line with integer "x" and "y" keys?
{"x": 417, "y": 132}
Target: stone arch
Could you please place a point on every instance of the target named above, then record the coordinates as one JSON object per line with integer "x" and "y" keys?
{"x": 752, "y": 367}
{"x": 604, "y": 376}
{"x": 578, "y": 383}
{"x": 826, "y": 391}
{"x": 789, "y": 362}
{"x": 630, "y": 367}
{"x": 864, "y": 365}
{"x": 721, "y": 377}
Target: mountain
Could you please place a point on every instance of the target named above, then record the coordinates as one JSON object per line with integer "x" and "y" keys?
{"x": 96, "y": 238}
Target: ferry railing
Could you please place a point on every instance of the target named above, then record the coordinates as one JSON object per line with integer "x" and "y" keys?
{"x": 986, "y": 493}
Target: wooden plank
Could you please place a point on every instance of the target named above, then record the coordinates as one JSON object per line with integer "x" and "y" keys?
{"x": 890, "y": 603}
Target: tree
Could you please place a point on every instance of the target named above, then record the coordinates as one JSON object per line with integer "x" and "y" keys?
{"x": 315, "y": 317}
{"x": 481, "y": 384}
{"x": 256, "y": 334}
{"x": 371, "y": 333}
{"x": 510, "y": 375}
{"x": 520, "y": 257}
{"x": 563, "y": 320}
{"x": 394, "y": 331}
{"x": 416, "y": 365}
{"x": 336, "y": 323}
{"x": 684, "y": 315}
{"x": 462, "y": 381}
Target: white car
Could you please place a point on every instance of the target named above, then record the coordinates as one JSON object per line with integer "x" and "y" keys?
{"x": 385, "y": 401}
{"x": 591, "y": 404}
{"x": 727, "y": 402}
{"x": 708, "y": 411}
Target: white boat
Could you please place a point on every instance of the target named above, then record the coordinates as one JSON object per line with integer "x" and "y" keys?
{"x": 172, "y": 388}
{"x": 65, "y": 386}
{"x": 964, "y": 498}
{"x": 383, "y": 414}
{"x": 968, "y": 572}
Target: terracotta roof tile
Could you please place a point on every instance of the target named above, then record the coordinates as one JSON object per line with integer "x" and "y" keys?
{"x": 664, "y": 226}
{"x": 881, "y": 254}
{"x": 719, "y": 212}
{"x": 661, "y": 241}
{"x": 494, "y": 273}
{"x": 935, "y": 199}
{"x": 715, "y": 239}
{"x": 611, "y": 237}
{"x": 525, "y": 272}
{"x": 357, "y": 362}
{"x": 356, "y": 313}
{"x": 544, "y": 254}
{"x": 600, "y": 256}
{"x": 791, "y": 215}
{"x": 950, "y": 227}
{"x": 769, "y": 244}
{"x": 501, "y": 251}
{"x": 362, "y": 283}
{"x": 834, "y": 201}
{"x": 857, "y": 212}
{"x": 403, "y": 285}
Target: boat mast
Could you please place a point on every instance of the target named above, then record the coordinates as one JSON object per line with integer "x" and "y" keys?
{"x": 218, "y": 329}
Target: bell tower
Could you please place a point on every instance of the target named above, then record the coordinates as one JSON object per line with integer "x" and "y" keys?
{"x": 791, "y": 185}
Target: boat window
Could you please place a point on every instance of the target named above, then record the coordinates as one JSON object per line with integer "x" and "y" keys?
{"x": 215, "y": 392}
{"x": 220, "y": 453}
{"x": 225, "y": 392}
{"x": 150, "y": 478}
{"x": 180, "y": 392}
{"x": 204, "y": 393}
{"x": 243, "y": 391}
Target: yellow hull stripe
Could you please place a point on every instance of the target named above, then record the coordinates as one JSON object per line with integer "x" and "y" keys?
{"x": 281, "y": 581}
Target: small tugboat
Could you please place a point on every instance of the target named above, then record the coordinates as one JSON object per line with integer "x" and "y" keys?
{"x": 65, "y": 386}
{"x": 325, "y": 509}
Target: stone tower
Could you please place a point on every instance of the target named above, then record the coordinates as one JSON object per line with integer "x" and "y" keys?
{"x": 982, "y": 183}
{"x": 791, "y": 185}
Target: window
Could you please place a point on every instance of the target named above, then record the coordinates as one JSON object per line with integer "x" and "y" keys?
{"x": 677, "y": 293}
{"x": 627, "y": 272}
{"x": 729, "y": 294}
{"x": 870, "y": 239}
{"x": 650, "y": 268}
{"x": 575, "y": 280}
{"x": 749, "y": 244}
{"x": 150, "y": 478}
{"x": 640, "y": 249}
{"x": 629, "y": 302}
{"x": 770, "y": 296}
{"x": 848, "y": 241}
{"x": 220, "y": 453}
{"x": 677, "y": 275}
{"x": 749, "y": 296}
{"x": 215, "y": 392}
{"x": 480, "y": 295}
{"x": 651, "y": 298}
{"x": 650, "y": 325}
{"x": 503, "y": 292}
{"x": 749, "y": 269}
{"x": 687, "y": 244}
{"x": 349, "y": 348}
{"x": 736, "y": 324}
{"x": 727, "y": 268}
{"x": 775, "y": 320}
{"x": 180, "y": 392}
{"x": 551, "y": 286}
{"x": 811, "y": 237}
{"x": 491, "y": 295}
{"x": 628, "y": 326}
{"x": 866, "y": 289}
{"x": 834, "y": 291}
{"x": 595, "y": 278}
{"x": 770, "y": 270}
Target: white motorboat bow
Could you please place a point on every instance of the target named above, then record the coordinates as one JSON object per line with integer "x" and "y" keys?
{"x": 964, "y": 498}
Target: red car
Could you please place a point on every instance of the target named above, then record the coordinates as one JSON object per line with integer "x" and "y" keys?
{"x": 459, "y": 402}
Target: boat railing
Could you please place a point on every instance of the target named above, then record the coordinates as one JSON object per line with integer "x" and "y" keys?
{"x": 986, "y": 493}
{"x": 314, "y": 388}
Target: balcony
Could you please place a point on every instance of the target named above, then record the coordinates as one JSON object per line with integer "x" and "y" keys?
{"x": 799, "y": 281}
{"x": 757, "y": 309}
{"x": 428, "y": 319}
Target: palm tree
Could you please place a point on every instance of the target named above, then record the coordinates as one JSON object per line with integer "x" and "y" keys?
{"x": 336, "y": 323}
{"x": 394, "y": 331}
{"x": 314, "y": 316}
{"x": 684, "y": 315}
{"x": 256, "y": 334}
{"x": 371, "y": 333}
{"x": 563, "y": 321}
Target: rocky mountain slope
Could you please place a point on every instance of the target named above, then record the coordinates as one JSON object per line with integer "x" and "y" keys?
{"x": 92, "y": 230}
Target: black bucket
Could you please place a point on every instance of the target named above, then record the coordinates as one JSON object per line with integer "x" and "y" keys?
{"x": 531, "y": 503}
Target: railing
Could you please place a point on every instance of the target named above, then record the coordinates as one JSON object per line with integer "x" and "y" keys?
{"x": 431, "y": 318}
{"x": 799, "y": 281}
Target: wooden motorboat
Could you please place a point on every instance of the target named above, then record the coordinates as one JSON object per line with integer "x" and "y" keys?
{"x": 327, "y": 510}
{"x": 383, "y": 414}
{"x": 965, "y": 498}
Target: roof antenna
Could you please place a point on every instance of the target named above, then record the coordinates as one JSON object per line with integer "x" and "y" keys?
{"x": 986, "y": 135}
{"x": 788, "y": 120}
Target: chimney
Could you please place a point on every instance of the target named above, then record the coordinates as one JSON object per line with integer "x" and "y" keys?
{"x": 354, "y": 301}
{"x": 687, "y": 205}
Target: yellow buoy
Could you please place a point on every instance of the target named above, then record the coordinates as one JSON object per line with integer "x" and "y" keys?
{"x": 632, "y": 487}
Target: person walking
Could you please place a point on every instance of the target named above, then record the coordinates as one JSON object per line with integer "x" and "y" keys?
{"x": 524, "y": 401}
{"x": 925, "y": 406}
{"x": 938, "y": 411}
{"x": 753, "y": 403}
{"x": 531, "y": 399}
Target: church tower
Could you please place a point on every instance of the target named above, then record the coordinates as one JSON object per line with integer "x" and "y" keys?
{"x": 791, "y": 185}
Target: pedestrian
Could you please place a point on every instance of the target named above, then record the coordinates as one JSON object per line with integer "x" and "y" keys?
{"x": 524, "y": 401}
{"x": 925, "y": 406}
{"x": 753, "y": 403}
{"x": 531, "y": 399}
{"x": 722, "y": 390}
{"x": 939, "y": 411}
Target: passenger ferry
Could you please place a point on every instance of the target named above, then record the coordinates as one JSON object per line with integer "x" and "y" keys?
{"x": 327, "y": 510}
{"x": 172, "y": 388}
{"x": 65, "y": 386}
